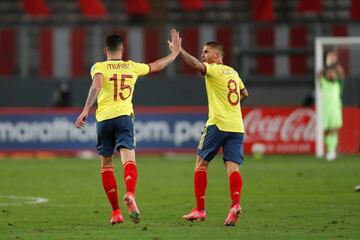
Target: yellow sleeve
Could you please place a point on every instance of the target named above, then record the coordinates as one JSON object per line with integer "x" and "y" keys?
{"x": 141, "y": 69}
{"x": 96, "y": 68}
{"x": 209, "y": 71}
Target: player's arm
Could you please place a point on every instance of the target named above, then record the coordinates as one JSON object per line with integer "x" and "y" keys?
{"x": 175, "y": 50}
{"x": 92, "y": 95}
{"x": 161, "y": 63}
{"x": 243, "y": 94}
{"x": 189, "y": 59}
{"x": 340, "y": 71}
{"x": 192, "y": 61}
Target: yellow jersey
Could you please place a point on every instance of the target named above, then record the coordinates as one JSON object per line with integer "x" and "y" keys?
{"x": 119, "y": 78}
{"x": 223, "y": 86}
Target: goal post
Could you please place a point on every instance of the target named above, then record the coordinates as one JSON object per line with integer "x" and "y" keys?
{"x": 320, "y": 44}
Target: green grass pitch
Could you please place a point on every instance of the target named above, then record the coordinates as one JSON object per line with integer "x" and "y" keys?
{"x": 283, "y": 197}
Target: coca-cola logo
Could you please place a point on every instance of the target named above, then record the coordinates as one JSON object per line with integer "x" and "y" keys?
{"x": 285, "y": 126}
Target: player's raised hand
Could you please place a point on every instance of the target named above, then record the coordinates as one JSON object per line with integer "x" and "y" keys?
{"x": 175, "y": 44}
{"x": 176, "y": 41}
{"x": 80, "y": 121}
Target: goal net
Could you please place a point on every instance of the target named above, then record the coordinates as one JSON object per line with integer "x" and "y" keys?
{"x": 330, "y": 51}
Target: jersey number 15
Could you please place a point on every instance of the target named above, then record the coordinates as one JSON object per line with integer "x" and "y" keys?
{"x": 123, "y": 86}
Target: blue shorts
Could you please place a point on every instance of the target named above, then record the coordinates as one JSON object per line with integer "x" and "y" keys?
{"x": 113, "y": 134}
{"x": 212, "y": 139}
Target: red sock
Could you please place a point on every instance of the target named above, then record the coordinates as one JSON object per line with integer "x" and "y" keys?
{"x": 235, "y": 180}
{"x": 130, "y": 176}
{"x": 109, "y": 183}
{"x": 200, "y": 183}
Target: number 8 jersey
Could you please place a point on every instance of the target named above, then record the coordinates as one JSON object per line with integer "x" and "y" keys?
{"x": 119, "y": 78}
{"x": 223, "y": 86}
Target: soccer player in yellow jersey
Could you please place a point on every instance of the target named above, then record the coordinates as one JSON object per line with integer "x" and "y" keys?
{"x": 224, "y": 128}
{"x": 113, "y": 83}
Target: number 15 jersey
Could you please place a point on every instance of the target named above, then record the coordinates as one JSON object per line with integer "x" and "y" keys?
{"x": 223, "y": 86}
{"x": 119, "y": 78}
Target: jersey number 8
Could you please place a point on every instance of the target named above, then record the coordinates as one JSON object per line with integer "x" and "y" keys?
{"x": 232, "y": 87}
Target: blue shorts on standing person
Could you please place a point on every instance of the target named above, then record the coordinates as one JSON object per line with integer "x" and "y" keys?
{"x": 113, "y": 134}
{"x": 212, "y": 138}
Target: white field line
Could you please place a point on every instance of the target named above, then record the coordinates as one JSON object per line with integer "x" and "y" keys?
{"x": 21, "y": 200}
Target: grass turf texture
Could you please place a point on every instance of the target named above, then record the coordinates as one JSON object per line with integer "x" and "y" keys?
{"x": 283, "y": 197}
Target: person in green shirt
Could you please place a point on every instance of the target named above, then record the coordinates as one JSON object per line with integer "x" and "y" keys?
{"x": 331, "y": 84}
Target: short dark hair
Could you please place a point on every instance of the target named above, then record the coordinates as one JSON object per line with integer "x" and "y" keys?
{"x": 217, "y": 46}
{"x": 113, "y": 42}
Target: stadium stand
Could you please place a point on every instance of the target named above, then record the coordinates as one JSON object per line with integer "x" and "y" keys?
{"x": 218, "y": 11}
{"x": 36, "y": 8}
{"x": 92, "y": 9}
{"x": 270, "y": 41}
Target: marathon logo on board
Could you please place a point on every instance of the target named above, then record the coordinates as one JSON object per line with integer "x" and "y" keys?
{"x": 56, "y": 131}
{"x": 62, "y": 130}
